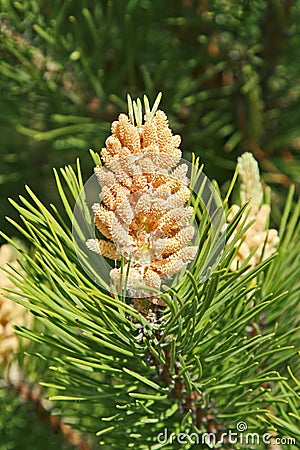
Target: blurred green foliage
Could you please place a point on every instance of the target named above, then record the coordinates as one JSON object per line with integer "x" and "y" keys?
{"x": 22, "y": 428}
{"x": 229, "y": 72}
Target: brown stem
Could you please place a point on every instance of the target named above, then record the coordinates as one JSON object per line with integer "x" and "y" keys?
{"x": 152, "y": 309}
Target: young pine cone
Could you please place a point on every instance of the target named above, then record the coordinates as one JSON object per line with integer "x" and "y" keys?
{"x": 142, "y": 215}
